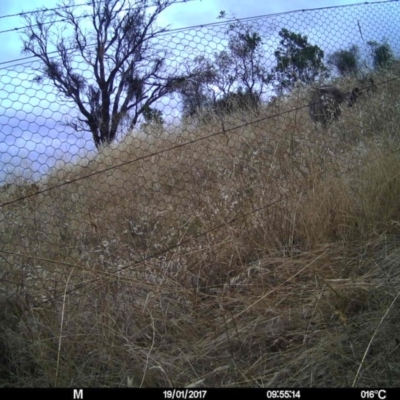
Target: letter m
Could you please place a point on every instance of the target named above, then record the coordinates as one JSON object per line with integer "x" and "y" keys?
{"x": 78, "y": 394}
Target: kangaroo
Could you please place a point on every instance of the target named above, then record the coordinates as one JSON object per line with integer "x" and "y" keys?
{"x": 324, "y": 106}
{"x": 368, "y": 83}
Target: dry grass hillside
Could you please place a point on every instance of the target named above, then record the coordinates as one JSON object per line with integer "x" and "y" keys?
{"x": 263, "y": 256}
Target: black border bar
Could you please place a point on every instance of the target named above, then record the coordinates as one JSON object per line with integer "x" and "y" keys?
{"x": 202, "y": 393}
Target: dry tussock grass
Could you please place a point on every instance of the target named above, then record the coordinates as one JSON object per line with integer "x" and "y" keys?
{"x": 263, "y": 256}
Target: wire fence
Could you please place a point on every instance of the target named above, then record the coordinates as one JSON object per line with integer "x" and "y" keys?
{"x": 173, "y": 170}
{"x": 202, "y": 177}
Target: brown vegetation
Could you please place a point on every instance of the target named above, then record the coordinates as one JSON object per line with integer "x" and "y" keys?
{"x": 262, "y": 256}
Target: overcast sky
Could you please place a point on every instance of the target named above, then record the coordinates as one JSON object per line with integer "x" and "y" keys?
{"x": 32, "y": 134}
{"x": 195, "y": 12}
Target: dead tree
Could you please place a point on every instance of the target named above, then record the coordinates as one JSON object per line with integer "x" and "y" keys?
{"x": 110, "y": 66}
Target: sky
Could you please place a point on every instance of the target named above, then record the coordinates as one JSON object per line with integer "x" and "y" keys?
{"x": 32, "y": 136}
{"x": 196, "y": 12}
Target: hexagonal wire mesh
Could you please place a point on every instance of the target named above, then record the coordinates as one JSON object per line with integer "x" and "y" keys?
{"x": 156, "y": 205}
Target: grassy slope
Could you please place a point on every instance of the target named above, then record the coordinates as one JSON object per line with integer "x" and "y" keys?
{"x": 282, "y": 266}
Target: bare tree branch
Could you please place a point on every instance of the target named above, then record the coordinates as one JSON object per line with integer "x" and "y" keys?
{"x": 106, "y": 60}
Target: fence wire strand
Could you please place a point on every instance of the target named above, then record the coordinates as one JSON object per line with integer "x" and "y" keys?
{"x": 241, "y": 168}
